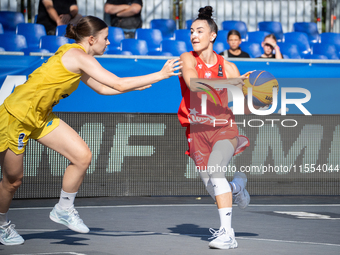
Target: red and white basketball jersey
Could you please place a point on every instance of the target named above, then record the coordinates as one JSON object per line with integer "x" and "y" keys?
{"x": 190, "y": 109}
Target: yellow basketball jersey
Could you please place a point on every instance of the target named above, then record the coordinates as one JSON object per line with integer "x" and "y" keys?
{"x": 33, "y": 101}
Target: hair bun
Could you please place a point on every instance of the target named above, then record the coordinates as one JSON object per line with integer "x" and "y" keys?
{"x": 71, "y": 31}
{"x": 205, "y": 13}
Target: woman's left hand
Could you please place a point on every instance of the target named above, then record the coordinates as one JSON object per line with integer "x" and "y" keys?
{"x": 246, "y": 75}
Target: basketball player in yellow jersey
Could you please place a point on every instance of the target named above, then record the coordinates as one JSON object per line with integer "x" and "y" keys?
{"x": 27, "y": 113}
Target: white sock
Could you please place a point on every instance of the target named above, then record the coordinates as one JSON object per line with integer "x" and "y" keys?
{"x": 225, "y": 217}
{"x": 66, "y": 200}
{"x": 3, "y": 219}
{"x": 236, "y": 188}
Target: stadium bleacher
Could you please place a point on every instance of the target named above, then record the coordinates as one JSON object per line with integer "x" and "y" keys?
{"x": 152, "y": 36}
{"x": 60, "y": 30}
{"x": 289, "y": 50}
{"x": 163, "y": 39}
{"x": 32, "y": 32}
{"x": 237, "y": 25}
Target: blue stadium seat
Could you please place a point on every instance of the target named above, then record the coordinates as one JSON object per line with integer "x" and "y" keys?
{"x": 159, "y": 53}
{"x": 315, "y": 56}
{"x": 2, "y": 49}
{"x": 52, "y": 42}
{"x": 300, "y": 39}
{"x": 184, "y": 35}
{"x": 136, "y": 46}
{"x": 10, "y": 20}
{"x": 310, "y": 28}
{"x": 116, "y": 35}
{"x": 176, "y": 48}
{"x": 331, "y": 38}
{"x": 32, "y": 32}
{"x": 1, "y": 29}
{"x": 12, "y": 42}
{"x": 237, "y": 25}
{"x": 118, "y": 52}
{"x": 60, "y": 30}
{"x": 222, "y": 36}
{"x": 153, "y": 37}
{"x": 289, "y": 50}
{"x": 188, "y": 23}
{"x": 219, "y": 47}
{"x": 257, "y": 36}
{"x": 273, "y": 27}
{"x": 253, "y": 49}
{"x": 28, "y": 50}
{"x": 167, "y": 27}
{"x": 328, "y": 50}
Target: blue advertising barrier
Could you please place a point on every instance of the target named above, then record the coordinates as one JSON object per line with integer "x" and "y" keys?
{"x": 321, "y": 79}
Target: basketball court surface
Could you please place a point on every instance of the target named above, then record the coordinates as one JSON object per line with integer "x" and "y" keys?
{"x": 179, "y": 225}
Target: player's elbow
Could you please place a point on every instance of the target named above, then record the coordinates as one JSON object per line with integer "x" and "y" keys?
{"x": 120, "y": 87}
{"x": 246, "y": 109}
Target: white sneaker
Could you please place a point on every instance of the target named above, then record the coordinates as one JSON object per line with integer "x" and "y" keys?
{"x": 9, "y": 236}
{"x": 242, "y": 198}
{"x": 69, "y": 218}
{"x": 223, "y": 239}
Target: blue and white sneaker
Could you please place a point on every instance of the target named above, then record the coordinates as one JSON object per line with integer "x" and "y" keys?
{"x": 70, "y": 218}
{"x": 9, "y": 236}
{"x": 242, "y": 198}
{"x": 223, "y": 239}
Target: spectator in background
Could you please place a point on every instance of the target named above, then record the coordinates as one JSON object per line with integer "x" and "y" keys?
{"x": 234, "y": 41}
{"x": 52, "y": 13}
{"x": 125, "y": 14}
{"x": 271, "y": 50}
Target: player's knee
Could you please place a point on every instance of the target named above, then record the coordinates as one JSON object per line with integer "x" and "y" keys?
{"x": 84, "y": 158}
{"x": 220, "y": 185}
{"x": 13, "y": 183}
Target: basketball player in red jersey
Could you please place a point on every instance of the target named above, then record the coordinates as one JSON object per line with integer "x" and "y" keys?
{"x": 212, "y": 147}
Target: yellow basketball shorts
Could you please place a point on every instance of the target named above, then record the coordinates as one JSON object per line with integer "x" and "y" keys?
{"x": 14, "y": 134}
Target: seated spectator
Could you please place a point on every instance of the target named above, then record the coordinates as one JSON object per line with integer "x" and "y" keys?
{"x": 52, "y": 13}
{"x": 271, "y": 50}
{"x": 125, "y": 14}
{"x": 234, "y": 41}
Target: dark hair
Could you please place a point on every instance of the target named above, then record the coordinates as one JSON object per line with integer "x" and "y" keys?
{"x": 270, "y": 36}
{"x": 234, "y": 32}
{"x": 86, "y": 26}
{"x": 206, "y": 14}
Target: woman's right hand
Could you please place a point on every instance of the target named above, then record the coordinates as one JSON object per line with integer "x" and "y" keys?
{"x": 170, "y": 67}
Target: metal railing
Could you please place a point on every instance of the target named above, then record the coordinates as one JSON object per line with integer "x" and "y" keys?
{"x": 10, "y": 5}
{"x": 152, "y": 9}
{"x": 250, "y": 11}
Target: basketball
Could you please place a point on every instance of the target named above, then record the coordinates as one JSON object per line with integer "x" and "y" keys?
{"x": 262, "y": 83}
